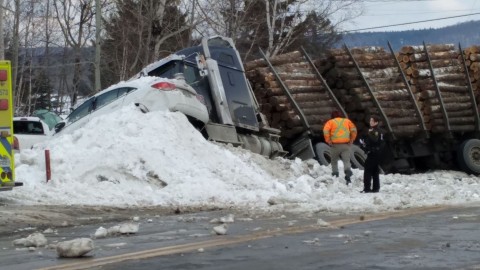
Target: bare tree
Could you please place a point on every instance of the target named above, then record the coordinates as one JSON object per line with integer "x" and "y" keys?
{"x": 140, "y": 32}
{"x": 15, "y": 43}
{"x": 98, "y": 30}
{"x": 76, "y": 21}
{"x": 28, "y": 52}
{"x": 156, "y": 20}
{"x": 274, "y": 25}
{"x": 224, "y": 17}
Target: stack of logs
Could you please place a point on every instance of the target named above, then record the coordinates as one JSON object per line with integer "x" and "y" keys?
{"x": 448, "y": 77}
{"x": 303, "y": 84}
{"x": 472, "y": 59}
{"x": 379, "y": 71}
{"x": 384, "y": 79}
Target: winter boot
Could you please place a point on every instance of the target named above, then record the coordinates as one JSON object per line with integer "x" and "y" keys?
{"x": 347, "y": 178}
{"x": 348, "y": 174}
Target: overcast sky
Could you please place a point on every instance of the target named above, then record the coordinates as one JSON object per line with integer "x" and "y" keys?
{"x": 386, "y": 12}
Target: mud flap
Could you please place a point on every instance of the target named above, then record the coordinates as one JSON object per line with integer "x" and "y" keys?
{"x": 302, "y": 147}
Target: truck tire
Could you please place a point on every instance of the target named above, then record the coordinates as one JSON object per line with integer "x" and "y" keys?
{"x": 323, "y": 153}
{"x": 468, "y": 156}
{"x": 358, "y": 157}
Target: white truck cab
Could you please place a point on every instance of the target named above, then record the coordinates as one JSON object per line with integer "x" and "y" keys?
{"x": 30, "y": 131}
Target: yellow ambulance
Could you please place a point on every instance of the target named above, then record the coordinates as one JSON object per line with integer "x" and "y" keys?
{"x": 7, "y": 140}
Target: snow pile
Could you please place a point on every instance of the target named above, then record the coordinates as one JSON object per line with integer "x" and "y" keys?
{"x": 158, "y": 159}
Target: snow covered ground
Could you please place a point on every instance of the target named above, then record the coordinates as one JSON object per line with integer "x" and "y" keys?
{"x": 157, "y": 159}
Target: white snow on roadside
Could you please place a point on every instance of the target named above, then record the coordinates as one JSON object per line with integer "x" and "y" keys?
{"x": 125, "y": 158}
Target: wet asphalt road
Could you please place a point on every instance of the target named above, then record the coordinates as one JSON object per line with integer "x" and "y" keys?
{"x": 438, "y": 240}
{"x": 445, "y": 239}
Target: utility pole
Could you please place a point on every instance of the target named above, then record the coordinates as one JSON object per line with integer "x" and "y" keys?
{"x": 2, "y": 42}
{"x": 98, "y": 25}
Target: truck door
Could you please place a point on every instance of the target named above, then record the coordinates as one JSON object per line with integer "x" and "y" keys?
{"x": 236, "y": 89}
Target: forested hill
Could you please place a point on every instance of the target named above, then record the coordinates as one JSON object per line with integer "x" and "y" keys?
{"x": 467, "y": 34}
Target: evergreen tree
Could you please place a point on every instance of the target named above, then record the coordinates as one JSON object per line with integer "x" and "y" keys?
{"x": 318, "y": 34}
{"x": 42, "y": 91}
{"x": 131, "y": 34}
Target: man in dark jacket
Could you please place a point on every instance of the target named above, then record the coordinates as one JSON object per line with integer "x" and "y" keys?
{"x": 372, "y": 144}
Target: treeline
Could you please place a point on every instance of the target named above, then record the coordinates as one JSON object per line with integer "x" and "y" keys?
{"x": 466, "y": 34}
{"x": 54, "y": 45}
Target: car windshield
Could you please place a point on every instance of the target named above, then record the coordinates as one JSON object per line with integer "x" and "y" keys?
{"x": 50, "y": 118}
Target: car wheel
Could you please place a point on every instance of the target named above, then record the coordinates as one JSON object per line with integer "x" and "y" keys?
{"x": 324, "y": 155}
{"x": 358, "y": 157}
{"x": 468, "y": 156}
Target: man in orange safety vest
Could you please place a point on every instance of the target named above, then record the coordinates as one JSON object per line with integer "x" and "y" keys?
{"x": 340, "y": 133}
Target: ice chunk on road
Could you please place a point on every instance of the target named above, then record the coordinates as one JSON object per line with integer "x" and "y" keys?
{"x": 101, "y": 233}
{"x": 75, "y": 248}
{"x": 220, "y": 229}
{"x": 33, "y": 240}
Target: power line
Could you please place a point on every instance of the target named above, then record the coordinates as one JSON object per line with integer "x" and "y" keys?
{"x": 413, "y": 13}
{"x": 380, "y": 1}
{"x": 407, "y": 23}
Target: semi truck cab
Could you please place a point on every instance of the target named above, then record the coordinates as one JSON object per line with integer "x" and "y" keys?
{"x": 215, "y": 70}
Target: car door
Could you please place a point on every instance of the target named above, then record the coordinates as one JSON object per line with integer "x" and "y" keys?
{"x": 106, "y": 103}
{"x": 81, "y": 115}
{"x": 111, "y": 101}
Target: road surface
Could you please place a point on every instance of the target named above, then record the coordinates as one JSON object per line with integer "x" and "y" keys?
{"x": 430, "y": 238}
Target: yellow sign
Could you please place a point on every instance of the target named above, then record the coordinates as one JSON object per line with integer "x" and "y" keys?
{"x": 7, "y": 166}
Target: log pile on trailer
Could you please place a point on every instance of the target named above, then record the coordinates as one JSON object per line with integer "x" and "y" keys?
{"x": 440, "y": 85}
{"x": 304, "y": 86}
{"x": 374, "y": 86}
{"x": 472, "y": 59}
{"x": 427, "y": 96}
{"x": 418, "y": 89}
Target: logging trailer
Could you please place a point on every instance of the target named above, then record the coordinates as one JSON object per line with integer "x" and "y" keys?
{"x": 277, "y": 106}
{"x": 425, "y": 96}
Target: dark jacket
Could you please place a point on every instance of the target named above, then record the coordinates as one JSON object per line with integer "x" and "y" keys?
{"x": 373, "y": 141}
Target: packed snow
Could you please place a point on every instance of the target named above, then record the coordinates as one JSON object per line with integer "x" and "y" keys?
{"x": 131, "y": 159}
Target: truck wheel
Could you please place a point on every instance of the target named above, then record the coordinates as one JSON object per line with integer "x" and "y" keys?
{"x": 358, "y": 157}
{"x": 323, "y": 153}
{"x": 468, "y": 156}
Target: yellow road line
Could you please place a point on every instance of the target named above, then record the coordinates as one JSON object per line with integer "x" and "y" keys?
{"x": 231, "y": 240}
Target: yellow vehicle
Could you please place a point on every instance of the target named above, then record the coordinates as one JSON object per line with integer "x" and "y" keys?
{"x": 7, "y": 140}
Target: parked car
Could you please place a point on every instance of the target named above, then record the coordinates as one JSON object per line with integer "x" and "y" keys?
{"x": 29, "y": 131}
{"x": 147, "y": 93}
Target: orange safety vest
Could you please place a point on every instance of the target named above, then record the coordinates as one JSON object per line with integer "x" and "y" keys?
{"x": 339, "y": 130}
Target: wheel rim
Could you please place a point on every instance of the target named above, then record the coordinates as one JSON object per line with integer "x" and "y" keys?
{"x": 474, "y": 155}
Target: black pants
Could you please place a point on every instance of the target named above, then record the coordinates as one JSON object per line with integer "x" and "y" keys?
{"x": 371, "y": 172}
